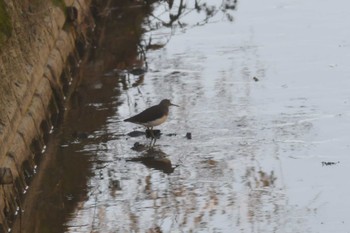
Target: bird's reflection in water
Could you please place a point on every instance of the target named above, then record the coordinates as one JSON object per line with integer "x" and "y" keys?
{"x": 153, "y": 158}
{"x": 153, "y": 134}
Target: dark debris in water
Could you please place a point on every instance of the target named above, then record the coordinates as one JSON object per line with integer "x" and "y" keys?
{"x": 139, "y": 147}
{"x": 171, "y": 134}
{"x": 324, "y": 163}
{"x": 137, "y": 71}
{"x": 174, "y": 74}
{"x": 156, "y": 133}
{"x": 189, "y": 135}
{"x": 136, "y": 133}
{"x": 115, "y": 185}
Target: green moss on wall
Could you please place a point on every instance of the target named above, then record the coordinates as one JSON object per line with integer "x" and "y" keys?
{"x": 59, "y": 3}
{"x": 5, "y": 23}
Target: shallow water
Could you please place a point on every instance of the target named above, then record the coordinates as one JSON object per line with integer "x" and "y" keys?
{"x": 265, "y": 98}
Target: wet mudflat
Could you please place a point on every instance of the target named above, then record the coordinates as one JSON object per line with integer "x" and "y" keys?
{"x": 263, "y": 88}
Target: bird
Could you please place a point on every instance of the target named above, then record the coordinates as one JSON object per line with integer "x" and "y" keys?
{"x": 152, "y": 116}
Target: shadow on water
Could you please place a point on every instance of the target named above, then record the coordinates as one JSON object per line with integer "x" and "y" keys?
{"x": 62, "y": 178}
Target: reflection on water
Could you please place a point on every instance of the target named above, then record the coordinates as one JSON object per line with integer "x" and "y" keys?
{"x": 169, "y": 17}
{"x": 62, "y": 182}
{"x": 155, "y": 159}
{"x": 227, "y": 178}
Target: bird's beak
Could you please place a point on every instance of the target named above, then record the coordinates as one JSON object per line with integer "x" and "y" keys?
{"x": 174, "y": 105}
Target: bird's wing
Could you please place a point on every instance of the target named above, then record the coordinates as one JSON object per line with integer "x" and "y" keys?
{"x": 147, "y": 115}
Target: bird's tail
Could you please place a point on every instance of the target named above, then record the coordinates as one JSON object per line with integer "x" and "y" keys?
{"x": 127, "y": 120}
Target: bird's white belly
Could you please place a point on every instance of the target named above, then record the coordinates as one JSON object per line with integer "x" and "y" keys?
{"x": 156, "y": 122}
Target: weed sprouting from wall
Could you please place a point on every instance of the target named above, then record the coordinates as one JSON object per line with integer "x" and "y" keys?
{"x": 5, "y": 24}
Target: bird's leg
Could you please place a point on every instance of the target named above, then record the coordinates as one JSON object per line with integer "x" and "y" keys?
{"x": 154, "y": 142}
{"x": 150, "y": 144}
{"x": 154, "y": 138}
{"x": 152, "y": 134}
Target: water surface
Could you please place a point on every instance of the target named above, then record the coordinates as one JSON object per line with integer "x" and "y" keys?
{"x": 263, "y": 90}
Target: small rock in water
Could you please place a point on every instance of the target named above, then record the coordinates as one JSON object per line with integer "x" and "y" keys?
{"x": 189, "y": 135}
{"x": 255, "y": 79}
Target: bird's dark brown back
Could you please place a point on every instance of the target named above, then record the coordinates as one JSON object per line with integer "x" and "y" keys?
{"x": 150, "y": 114}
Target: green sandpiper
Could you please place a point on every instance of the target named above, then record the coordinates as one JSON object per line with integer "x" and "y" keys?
{"x": 153, "y": 116}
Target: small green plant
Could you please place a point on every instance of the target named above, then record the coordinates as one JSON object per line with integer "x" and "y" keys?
{"x": 59, "y": 3}
{"x": 5, "y": 23}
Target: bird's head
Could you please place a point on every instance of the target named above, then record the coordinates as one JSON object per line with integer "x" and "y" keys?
{"x": 166, "y": 102}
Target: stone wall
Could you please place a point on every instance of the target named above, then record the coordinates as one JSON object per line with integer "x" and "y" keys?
{"x": 40, "y": 47}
